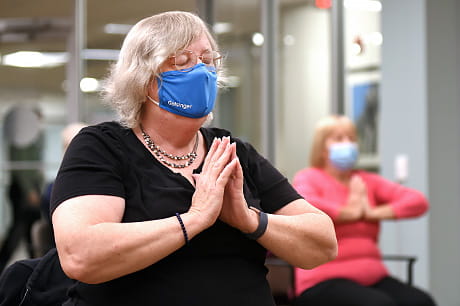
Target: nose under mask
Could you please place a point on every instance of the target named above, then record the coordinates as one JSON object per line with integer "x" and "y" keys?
{"x": 343, "y": 155}
{"x": 190, "y": 94}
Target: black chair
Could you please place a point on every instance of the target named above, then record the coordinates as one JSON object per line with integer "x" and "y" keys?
{"x": 410, "y": 260}
{"x": 281, "y": 276}
{"x": 281, "y": 279}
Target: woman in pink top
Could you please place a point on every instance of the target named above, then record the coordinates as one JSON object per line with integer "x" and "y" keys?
{"x": 356, "y": 201}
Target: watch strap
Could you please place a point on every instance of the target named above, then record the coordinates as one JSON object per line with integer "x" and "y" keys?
{"x": 261, "y": 228}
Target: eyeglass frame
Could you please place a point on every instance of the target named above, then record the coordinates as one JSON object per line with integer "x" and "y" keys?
{"x": 215, "y": 60}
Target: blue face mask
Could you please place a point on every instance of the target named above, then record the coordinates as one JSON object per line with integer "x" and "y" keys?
{"x": 343, "y": 155}
{"x": 190, "y": 94}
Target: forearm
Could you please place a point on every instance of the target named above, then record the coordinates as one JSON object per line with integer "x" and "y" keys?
{"x": 305, "y": 240}
{"x": 105, "y": 251}
{"x": 381, "y": 212}
{"x": 410, "y": 205}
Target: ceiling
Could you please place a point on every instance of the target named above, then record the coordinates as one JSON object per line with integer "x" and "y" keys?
{"x": 48, "y": 23}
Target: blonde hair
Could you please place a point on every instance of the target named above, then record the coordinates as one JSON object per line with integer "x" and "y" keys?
{"x": 145, "y": 48}
{"x": 324, "y": 128}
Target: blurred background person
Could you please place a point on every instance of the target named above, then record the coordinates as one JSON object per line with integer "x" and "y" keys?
{"x": 356, "y": 201}
{"x": 24, "y": 137}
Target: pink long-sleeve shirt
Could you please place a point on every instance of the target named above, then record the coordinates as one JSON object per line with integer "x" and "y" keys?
{"x": 359, "y": 257}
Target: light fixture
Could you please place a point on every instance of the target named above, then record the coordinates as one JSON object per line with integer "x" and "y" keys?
{"x": 289, "y": 40}
{"x": 89, "y": 85}
{"x": 258, "y": 39}
{"x": 34, "y": 59}
{"x": 222, "y": 27}
{"x": 117, "y": 28}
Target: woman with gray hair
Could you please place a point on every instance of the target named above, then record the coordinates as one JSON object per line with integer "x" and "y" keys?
{"x": 156, "y": 209}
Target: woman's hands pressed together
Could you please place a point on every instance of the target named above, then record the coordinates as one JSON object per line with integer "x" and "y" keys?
{"x": 218, "y": 166}
{"x": 295, "y": 232}
{"x": 235, "y": 210}
{"x": 358, "y": 206}
{"x": 219, "y": 189}
{"x": 357, "y": 201}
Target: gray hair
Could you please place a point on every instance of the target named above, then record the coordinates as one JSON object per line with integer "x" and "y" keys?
{"x": 147, "y": 45}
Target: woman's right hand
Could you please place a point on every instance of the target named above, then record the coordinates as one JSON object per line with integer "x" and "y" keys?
{"x": 356, "y": 202}
{"x": 218, "y": 166}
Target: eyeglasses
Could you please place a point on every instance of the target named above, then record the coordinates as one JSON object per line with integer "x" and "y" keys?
{"x": 184, "y": 60}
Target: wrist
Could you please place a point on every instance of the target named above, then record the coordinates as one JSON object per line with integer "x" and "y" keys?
{"x": 351, "y": 214}
{"x": 370, "y": 215}
{"x": 261, "y": 227}
{"x": 379, "y": 213}
{"x": 197, "y": 221}
{"x": 253, "y": 222}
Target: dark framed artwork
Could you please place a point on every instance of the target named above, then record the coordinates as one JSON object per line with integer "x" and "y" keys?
{"x": 363, "y": 109}
{"x": 365, "y": 106}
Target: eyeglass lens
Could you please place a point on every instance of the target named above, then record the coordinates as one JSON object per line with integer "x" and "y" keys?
{"x": 185, "y": 59}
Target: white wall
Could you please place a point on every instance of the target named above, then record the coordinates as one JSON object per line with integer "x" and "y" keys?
{"x": 420, "y": 117}
{"x": 403, "y": 122}
{"x": 443, "y": 80}
{"x": 304, "y": 83}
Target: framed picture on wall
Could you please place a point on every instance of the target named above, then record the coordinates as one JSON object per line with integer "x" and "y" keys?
{"x": 363, "y": 109}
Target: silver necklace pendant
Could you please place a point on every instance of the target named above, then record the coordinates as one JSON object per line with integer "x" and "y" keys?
{"x": 162, "y": 154}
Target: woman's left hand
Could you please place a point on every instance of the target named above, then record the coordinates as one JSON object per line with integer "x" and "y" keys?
{"x": 235, "y": 211}
{"x": 381, "y": 212}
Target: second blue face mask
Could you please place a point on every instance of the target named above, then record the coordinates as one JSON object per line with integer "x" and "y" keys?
{"x": 190, "y": 94}
{"x": 343, "y": 155}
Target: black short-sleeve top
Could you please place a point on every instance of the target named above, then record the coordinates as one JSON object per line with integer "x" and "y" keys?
{"x": 220, "y": 266}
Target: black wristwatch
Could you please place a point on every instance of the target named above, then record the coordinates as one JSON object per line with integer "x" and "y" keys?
{"x": 261, "y": 228}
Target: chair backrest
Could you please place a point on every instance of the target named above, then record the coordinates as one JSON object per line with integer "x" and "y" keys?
{"x": 13, "y": 281}
{"x": 409, "y": 260}
{"x": 39, "y": 281}
{"x": 281, "y": 276}
{"x": 281, "y": 279}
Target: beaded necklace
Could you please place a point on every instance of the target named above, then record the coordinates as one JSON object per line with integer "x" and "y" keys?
{"x": 164, "y": 156}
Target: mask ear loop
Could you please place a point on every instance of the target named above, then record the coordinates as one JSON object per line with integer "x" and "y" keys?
{"x": 151, "y": 85}
{"x": 151, "y": 99}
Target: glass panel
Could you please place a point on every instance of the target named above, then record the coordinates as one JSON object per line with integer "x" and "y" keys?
{"x": 363, "y": 42}
{"x": 27, "y": 26}
{"x": 304, "y": 80}
{"x": 238, "y": 107}
{"x": 32, "y": 103}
